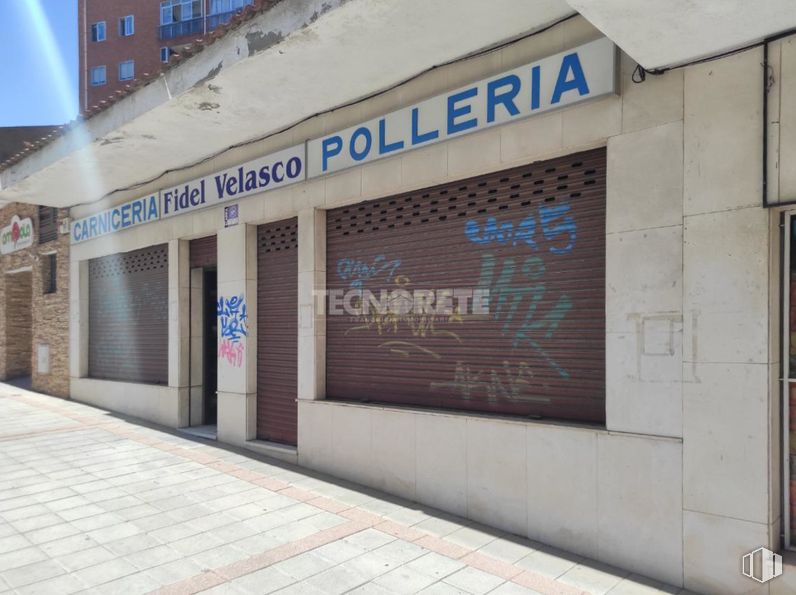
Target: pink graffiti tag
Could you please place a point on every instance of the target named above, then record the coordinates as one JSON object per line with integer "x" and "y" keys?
{"x": 232, "y": 352}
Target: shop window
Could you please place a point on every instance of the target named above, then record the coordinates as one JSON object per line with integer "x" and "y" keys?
{"x": 49, "y": 273}
{"x": 48, "y": 224}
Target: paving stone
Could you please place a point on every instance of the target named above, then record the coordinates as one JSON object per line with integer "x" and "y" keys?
{"x": 435, "y": 565}
{"x": 595, "y": 578}
{"x": 32, "y": 573}
{"x": 470, "y": 538}
{"x": 60, "y": 585}
{"x": 219, "y": 556}
{"x": 304, "y": 565}
{"x": 132, "y": 544}
{"x": 371, "y": 565}
{"x": 139, "y": 582}
{"x": 474, "y": 581}
{"x": 404, "y": 580}
{"x": 443, "y": 588}
{"x": 106, "y": 572}
{"x": 401, "y": 551}
{"x": 639, "y": 585}
{"x": 338, "y": 551}
{"x": 86, "y": 558}
{"x": 175, "y": 571}
{"x": 13, "y": 542}
{"x": 23, "y": 557}
{"x": 338, "y": 579}
{"x": 507, "y": 550}
{"x": 51, "y": 533}
{"x": 548, "y": 563}
{"x": 152, "y": 557}
{"x": 509, "y": 588}
{"x": 266, "y": 580}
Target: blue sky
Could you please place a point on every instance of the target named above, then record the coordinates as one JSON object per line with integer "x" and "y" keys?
{"x": 38, "y": 62}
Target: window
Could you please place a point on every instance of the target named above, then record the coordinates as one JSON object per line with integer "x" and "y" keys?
{"x": 48, "y": 224}
{"x": 98, "y": 31}
{"x": 174, "y": 11}
{"x": 49, "y": 273}
{"x": 127, "y": 70}
{"x": 98, "y": 76}
{"x": 221, "y": 6}
{"x": 164, "y": 55}
{"x": 127, "y": 26}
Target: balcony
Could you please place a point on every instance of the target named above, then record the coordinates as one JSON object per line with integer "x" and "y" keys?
{"x": 183, "y": 28}
{"x": 197, "y": 26}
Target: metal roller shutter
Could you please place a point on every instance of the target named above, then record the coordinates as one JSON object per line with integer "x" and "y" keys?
{"x": 204, "y": 252}
{"x": 277, "y": 331}
{"x": 129, "y": 316}
{"x": 534, "y": 237}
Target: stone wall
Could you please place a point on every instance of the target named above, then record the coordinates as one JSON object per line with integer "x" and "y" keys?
{"x": 18, "y": 324}
{"x": 30, "y": 317}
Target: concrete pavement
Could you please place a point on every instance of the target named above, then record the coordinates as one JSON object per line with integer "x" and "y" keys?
{"x": 93, "y": 502}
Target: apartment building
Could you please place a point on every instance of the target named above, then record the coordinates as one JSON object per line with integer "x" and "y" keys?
{"x": 122, "y": 40}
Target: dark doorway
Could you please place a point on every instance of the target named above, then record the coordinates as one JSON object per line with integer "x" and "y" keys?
{"x": 19, "y": 327}
{"x": 210, "y": 347}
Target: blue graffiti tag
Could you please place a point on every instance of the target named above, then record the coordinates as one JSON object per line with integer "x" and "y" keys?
{"x": 506, "y": 299}
{"x": 358, "y": 271}
{"x": 233, "y": 317}
{"x": 555, "y": 222}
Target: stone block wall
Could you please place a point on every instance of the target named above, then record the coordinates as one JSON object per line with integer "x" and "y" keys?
{"x": 18, "y": 324}
{"x": 31, "y": 318}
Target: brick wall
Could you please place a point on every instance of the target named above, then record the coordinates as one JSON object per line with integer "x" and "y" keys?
{"x": 143, "y": 46}
{"x": 30, "y": 317}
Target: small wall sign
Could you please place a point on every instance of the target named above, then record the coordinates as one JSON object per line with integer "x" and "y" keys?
{"x": 230, "y": 215}
{"x": 18, "y": 235}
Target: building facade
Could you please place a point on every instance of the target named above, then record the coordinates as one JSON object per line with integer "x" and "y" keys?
{"x": 34, "y": 292}
{"x": 121, "y": 41}
{"x": 573, "y": 292}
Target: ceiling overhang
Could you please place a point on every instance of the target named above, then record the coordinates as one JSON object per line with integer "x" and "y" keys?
{"x": 286, "y": 64}
{"x": 659, "y": 34}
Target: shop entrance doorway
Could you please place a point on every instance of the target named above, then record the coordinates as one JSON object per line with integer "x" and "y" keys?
{"x": 18, "y": 327}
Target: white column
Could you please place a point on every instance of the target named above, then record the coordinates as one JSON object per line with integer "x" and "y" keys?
{"x": 237, "y": 334}
{"x": 78, "y": 319}
{"x": 312, "y": 319}
{"x": 179, "y": 325}
{"x": 197, "y": 361}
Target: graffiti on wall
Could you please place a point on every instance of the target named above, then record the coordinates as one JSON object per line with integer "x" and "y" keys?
{"x": 556, "y": 225}
{"x": 516, "y": 294}
{"x": 357, "y": 272}
{"x": 511, "y": 383}
{"x": 233, "y": 325}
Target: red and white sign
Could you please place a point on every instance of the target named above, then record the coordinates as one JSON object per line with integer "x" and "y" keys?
{"x": 17, "y": 235}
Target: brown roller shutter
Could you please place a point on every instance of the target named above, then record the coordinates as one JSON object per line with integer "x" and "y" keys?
{"x": 204, "y": 252}
{"x": 534, "y": 237}
{"x": 277, "y": 331}
{"x": 129, "y": 316}
{"x": 48, "y": 224}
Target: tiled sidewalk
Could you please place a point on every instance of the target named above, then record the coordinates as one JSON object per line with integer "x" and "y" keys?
{"x": 93, "y": 502}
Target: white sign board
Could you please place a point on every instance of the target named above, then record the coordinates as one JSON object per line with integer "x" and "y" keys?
{"x": 583, "y": 73}
{"x": 17, "y": 235}
{"x": 129, "y": 214}
{"x": 261, "y": 174}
